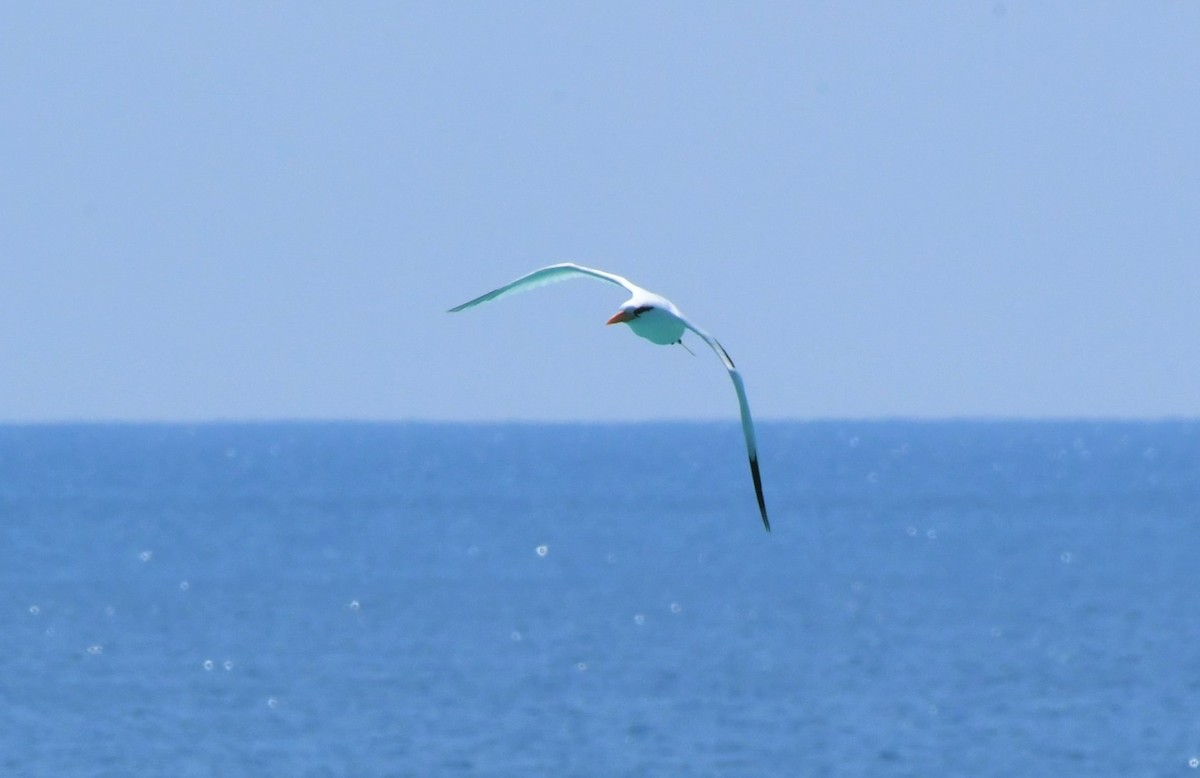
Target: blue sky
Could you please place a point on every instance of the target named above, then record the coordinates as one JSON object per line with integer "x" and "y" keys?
{"x": 262, "y": 211}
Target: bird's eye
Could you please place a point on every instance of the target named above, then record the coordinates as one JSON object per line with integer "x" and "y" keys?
{"x": 639, "y": 311}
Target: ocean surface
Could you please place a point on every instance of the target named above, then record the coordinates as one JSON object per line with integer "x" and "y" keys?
{"x": 936, "y": 599}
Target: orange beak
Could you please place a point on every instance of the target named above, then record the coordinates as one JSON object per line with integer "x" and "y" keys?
{"x": 620, "y": 317}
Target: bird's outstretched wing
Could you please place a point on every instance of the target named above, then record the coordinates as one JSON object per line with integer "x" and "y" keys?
{"x": 747, "y": 422}
{"x": 547, "y": 275}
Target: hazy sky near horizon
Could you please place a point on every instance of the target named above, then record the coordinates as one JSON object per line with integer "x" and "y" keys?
{"x": 263, "y": 210}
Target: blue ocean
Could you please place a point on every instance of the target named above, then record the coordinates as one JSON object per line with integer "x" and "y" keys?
{"x": 310, "y": 599}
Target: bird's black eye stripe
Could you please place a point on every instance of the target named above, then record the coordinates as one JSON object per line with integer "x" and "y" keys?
{"x": 641, "y": 310}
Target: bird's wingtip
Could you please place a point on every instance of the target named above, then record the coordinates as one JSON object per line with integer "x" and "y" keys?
{"x": 758, "y": 492}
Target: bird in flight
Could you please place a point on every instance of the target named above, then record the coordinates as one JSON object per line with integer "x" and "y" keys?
{"x": 652, "y": 317}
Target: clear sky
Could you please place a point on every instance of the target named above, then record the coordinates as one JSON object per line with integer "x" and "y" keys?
{"x": 263, "y": 210}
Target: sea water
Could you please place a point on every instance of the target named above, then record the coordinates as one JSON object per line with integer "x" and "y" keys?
{"x": 957, "y": 598}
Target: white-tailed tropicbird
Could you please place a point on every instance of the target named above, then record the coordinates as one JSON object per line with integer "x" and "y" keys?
{"x": 652, "y": 317}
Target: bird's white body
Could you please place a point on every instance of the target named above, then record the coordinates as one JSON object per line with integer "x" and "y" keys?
{"x": 654, "y": 318}
{"x": 662, "y": 323}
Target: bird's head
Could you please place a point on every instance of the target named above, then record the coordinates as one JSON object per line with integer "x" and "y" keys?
{"x": 629, "y": 312}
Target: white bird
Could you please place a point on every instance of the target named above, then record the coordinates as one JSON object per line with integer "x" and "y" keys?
{"x": 652, "y": 317}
